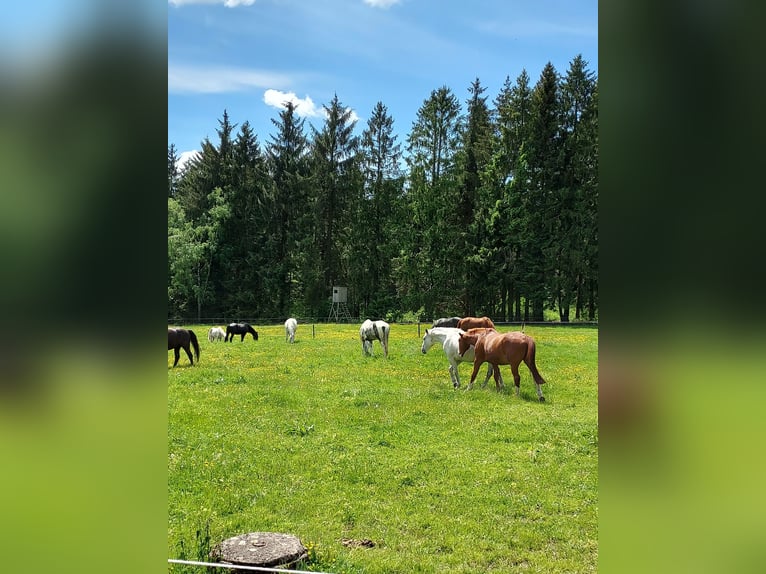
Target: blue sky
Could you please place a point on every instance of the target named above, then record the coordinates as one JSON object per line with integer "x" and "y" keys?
{"x": 249, "y": 56}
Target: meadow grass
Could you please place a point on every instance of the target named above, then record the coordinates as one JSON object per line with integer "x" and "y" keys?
{"x": 314, "y": 440}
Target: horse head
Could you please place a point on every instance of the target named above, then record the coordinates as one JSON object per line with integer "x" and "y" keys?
{"x": 464, "y": 342}
{"x": 426, "y": 342}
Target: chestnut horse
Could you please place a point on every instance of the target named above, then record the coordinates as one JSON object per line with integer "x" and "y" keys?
{"x": 502, "y": 349}
{"x": 183, "y": 338}
{"x": 474, "y": 322}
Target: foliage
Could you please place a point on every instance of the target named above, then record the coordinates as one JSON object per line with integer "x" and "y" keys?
{"x": 488, "y": 210}
{"x": 313, "y": 440}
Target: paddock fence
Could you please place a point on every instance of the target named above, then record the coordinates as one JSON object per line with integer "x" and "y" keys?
{"x": 314, "y": 321}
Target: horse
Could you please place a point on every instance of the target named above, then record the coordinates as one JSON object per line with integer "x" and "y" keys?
{"x": 215, "y": 334}
{"x": 291, "y": 325}
{"x": 448, "y": 337}
{"x": 446, "y": 322}
{"x": 239, "y": 329}
{"x": 371, "y": 330}
{"x": 178, "y": 338}
{"x": 475, "y": 322}
{"x": 502, "y": 349}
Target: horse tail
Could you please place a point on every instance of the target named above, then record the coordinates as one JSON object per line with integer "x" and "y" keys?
{"x": 194, "y": 342}
{"x": 530, "y": 361}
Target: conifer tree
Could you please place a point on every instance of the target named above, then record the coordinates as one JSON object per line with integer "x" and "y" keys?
{"x": 172, "y": 170}
{"x": 429, "y": 264}
{"x": 291, "y": 227}
{"x": 336, "y": 177}
{"x": 379, "y": 217}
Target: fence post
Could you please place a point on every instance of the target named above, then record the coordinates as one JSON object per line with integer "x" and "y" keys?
{"x": 313, "y": 335}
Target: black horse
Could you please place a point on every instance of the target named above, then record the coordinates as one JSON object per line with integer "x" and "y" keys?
{"x": 446, "y": 322}
{"x": 239, "y": 329}
{"x": 185, "y": 338}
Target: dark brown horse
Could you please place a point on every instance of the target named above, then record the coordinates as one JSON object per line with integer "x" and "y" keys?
{"x": 474, "y": 322}
{"x": 446, "y": 322}
{"x": 239, "y": 329}
{"x": 183, "y": 338}
{"x": 502, "y": 349}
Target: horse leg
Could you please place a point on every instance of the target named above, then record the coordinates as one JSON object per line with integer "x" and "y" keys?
{"x": 495, "y": 369}
{"x": 516, "y": 377}
{"x": 476, "y": 367}
{"x": 454, "y": 376}
{"x": 189, "y": 354}
{"x": 177, "y": 353}
{"x": 489, "y": 374}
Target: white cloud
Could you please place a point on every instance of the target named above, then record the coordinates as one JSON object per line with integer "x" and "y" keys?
{"x": 227, "y": 3}
{"x": 381, "y": 3}
{"x": 303, "y": 106}
{"x": 184, "y": 157}
{"x": 216, "y": 80}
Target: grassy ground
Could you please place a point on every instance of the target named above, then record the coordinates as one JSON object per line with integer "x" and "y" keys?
{"x": 314, "y": 440}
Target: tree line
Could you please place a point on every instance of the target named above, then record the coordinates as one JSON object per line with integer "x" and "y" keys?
{"x": 485, "y": 209}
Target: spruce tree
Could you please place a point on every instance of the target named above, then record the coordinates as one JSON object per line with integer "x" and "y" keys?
{"x": 291, "y": 227}
{"x": 336, "y": 178}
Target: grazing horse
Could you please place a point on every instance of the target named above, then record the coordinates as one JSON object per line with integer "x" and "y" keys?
{"x": 371, "y": 330}
{"x": 215, "y": 334}
{"x": 239, "y": 329}
{"x": 291, "y": 325}
{"x": 446, "y": 322}
{"x": 502, "y": 349}
{"x": 448, "y": 337}
{"x": 475, "y": 322}
{"x": 178, "y": 338}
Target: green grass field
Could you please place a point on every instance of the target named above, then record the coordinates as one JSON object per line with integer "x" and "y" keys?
{"x": 314, "y": 440}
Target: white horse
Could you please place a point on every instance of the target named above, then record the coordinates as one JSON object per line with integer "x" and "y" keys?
{"x": 216, "y": 334}
{"x": 449, "y": 338}
{"x": 371, "y": 330}
{"x": 291, "y": 325}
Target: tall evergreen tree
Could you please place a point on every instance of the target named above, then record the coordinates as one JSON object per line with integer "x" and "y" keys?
{"x": 239, "y": 261}
{"x": 336, "y": 172}
{"x": 569, "y": 266}
{"x": 375, "y": 229}
{"x": 172, "y": 170}
{"x": 542, "y": 198}
{"x": 291, "y": 226}
{"x": 476, "y": 196}
{"x": 429, "y": 264}
{"x": 513, "y": 107}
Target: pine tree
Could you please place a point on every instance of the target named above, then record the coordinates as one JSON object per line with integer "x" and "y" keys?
{"x": 336, "y": 172}
{"x": 239, "y": 260}
{"x": 474, "y": 201}
{"x": 574, "y": 222}
{"x": 379, "y": 217}
{"x": 430, "y": 263}
{"x": 291, "y": 227}
{"x": 172, "y": 170}
{"x": 542, "y": 197}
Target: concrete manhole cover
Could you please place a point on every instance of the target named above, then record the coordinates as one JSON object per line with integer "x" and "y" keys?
{"x": 270, "y": 549}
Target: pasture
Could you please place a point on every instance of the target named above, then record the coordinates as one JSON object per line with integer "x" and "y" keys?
{"x": 315, "y": 440}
